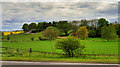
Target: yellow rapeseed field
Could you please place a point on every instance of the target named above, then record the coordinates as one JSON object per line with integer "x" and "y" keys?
{"x": 12, "y": 32}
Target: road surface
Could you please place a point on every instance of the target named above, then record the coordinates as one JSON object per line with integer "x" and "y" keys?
{"x": 53, "y": 63}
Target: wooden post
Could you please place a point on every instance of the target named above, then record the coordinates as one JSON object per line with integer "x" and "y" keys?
{"x": 30, "y": 51}
{"x": 6, "y": 49}
{"x": 17, "y": 50}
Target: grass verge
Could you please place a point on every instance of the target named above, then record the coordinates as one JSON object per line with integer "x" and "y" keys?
{"x": 75, "y": 60}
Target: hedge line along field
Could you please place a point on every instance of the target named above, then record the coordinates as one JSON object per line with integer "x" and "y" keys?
{"x": 93, "y": 45}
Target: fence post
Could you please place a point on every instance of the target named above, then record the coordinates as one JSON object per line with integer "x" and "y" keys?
{"x": 17, "y": 50}
{"x": 6, "y": 49}
{"x": 30, "y": 51}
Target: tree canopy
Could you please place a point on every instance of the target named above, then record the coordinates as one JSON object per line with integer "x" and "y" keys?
{"x": 64, "y": 27}
{"x": 101, "y": 22}
{"x": 109, "y": 33}
{"x": 25, "y": 27}
{"x": 32, "y": 26}
{"x": 94, "y": 26}
{"x": 51, "y": 33}
{"x": 82, "y": 32}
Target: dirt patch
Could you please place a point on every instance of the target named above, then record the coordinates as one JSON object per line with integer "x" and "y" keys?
{"x": 61, "y": 37}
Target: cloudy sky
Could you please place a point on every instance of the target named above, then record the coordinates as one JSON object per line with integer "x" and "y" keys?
{"x": 17, "y": 13}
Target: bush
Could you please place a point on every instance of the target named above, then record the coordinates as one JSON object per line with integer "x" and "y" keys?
{"x": 69, "y": 45}
{"x": 40, "y": 38}
{"x": 8, "y": 38}
{"x": 78, "y": 52}
{"x": 32, "y": 39}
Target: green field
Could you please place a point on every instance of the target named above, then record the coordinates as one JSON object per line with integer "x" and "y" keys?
{"x": 93, "y": 45}
{"x": 23, "y": 41}
{"x": 23, "y": 37}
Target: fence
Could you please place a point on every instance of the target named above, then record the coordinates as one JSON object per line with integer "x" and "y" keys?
{"x": 31, "y": 51}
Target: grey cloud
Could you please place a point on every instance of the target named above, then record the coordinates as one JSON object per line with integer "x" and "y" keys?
{"x": 48, "y": 11}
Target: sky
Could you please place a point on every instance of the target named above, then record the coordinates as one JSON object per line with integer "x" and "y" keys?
{"x": 15, "y": 14}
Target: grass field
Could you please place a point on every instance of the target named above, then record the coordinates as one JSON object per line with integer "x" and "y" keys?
{"x": 93, "y": 45}
{"x": 23, "y": 37}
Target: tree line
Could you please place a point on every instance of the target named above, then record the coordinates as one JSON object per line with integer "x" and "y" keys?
{"x": 94, "y": 26}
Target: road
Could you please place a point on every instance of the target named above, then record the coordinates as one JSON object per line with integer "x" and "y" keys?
{"x": 53, "y": 63}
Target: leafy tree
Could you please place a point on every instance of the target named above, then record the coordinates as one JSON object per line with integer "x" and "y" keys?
{"x": 51, "y": 33}
{"x": 69, "y": 45}
{"x": 40, "y": 27}
{"x": 50, "y": 24}
{"x": 64, "y": 26}
{"x": 84, "y": 22}
{"x": 93, "y": 23}
{"x": 54, "y": 24}
{"x": 32, "y": 26}
{"x": 101, "y": 22}
{"x": 118, "y": 30}
{"x": 109, "y": 33}
{"x": 92, "y": 33}
{"x": 25, "y": 27}
{"x": 75, "y": 26}
{"x": 52, "y": 28}
{"x": 45, "y": 25}
{"x": 117, "y": 26}
{"x": 82, "y": 33}
{"x": 74, "y": 34}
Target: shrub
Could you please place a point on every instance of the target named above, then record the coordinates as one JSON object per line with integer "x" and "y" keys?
{"x": 8, "y": 38}
{"x": 69, "y": 45}
{"x": 40, "y": 38}
{"x": 32, "y": 39}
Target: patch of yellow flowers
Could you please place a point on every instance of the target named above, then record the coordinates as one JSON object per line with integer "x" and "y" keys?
{"x": 12, "y": 32}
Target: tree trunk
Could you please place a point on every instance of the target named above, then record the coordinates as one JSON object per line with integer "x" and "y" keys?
{"x": 51, "y": 45}
{"x": 69, "y": 54}
{"x": 72, "y": 54}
